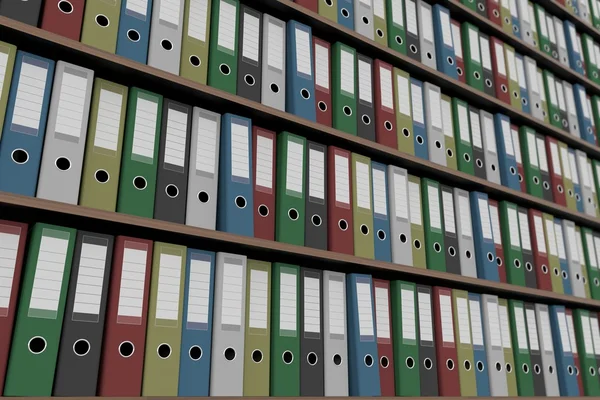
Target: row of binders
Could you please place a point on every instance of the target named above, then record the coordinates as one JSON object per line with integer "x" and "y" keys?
{"x": 94, "y": 314}
{"x": 590, "y": 13}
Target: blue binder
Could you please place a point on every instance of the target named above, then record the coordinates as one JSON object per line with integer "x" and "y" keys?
{"x": 25, "y": 124}
{"x": 564, "y": 266}
{"x": 565, "y": 364}
{"x": 525, "y": 103}
{"x": 346, "y": 13}
{"x": 300, "y": 91}
{"x": 516, "y": 25}
{"x": 381, "y": 222}
{"x": 576, "y": 185}
{"x": 134, "y": 33}
{"x": 444, "y": 49}
{"x": 485, "y": 250}
{"x": 506, "y": 156}
{"x": 575, "y": 57}
{"x": 479, "y": 354}
{"x": 363, "y": 365}
{"x": 584, "y": 116}
{"x": 235, "y": 206}
{"x": 419, "y": 130}
{"x": 196, "y": 333}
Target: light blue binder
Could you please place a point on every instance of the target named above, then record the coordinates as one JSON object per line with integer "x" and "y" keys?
{"x": 444, "y": 49}
{"x": 506, "y": 157}
{"x": 419, "y": 130}
{"x": 575, "y": 56}
{"x": 584, "y": 114}
{"x": 479, "y": 353}
{"x": 525, "y": 101}
{"x": 381, "y": 222}
{"x": 134, "y": 31}
{"x": 300, "y": 86}
{"x": 565, "y": 363}
{"x": 346, "y": 13}
{"x": 485, "y": 250}
{"x": 564, "y": 265}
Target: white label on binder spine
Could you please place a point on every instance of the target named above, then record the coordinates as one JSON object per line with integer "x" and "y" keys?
{"x": 71, "y": 101}
{"x": 403, "y": 94}
{"x": 448, "y": 202}
{"x": 587, "y": 335}
{"x": 169, "y": 285}
{"x": 264, "y": 162}
{"x": 566, "y": 163}
{"x": 541, "y": 150}
{"x": 426, "y": 22}
{"x": 486, "y": 60}
{"x": 513, "y": 225}
{"x": 465, "y": 216}
{"x": 516, "y": 145}
{"x": 446, "y": 318}
{"x": 532, "y": 77}
{"x": 570, "y": 99}
{"x": 521, "y": 329}
{"x": 398, "y": 13}
{"x": 30, "y": 94}
{"x": 555, "y": 158}
{"x": 276, "y": 43}
{"x": 512, "y": 67}
{"x": 580, "y": 252}
{"x": 365, "y": 86}
{"x": 495, "y": 224}
{"x": 560, "y": 241}
{"x": 532, "y": 329}
{"x": 507, "y": 136}
{"x": 446, "y": 30}
{"x": 561, "y": 96}
{"x": 417, "y": 103}
{"x": 475, "y": 130}
{"x": 409, "y": 326}
{"x": 448, "y": 128}
{"x": 532, "y": 148}
{"x": 594, "y": 250}
{"x": 316, "y": 174}
{"x": 464, "y": 325}
{"x": 198, "y": 19}
{"x": 546, "y": 331}
{"x": 476, "y": 327}
{"x": 463, "y": 121}
{"x": 382, "y": 312}
{"x": 500, "y": 62}
{"x": 435, "y": 109}
{"x": 232, "y": 288}
{"x": 551, "y": 32}
{"x": 414, "y": 196}
{"x": 571, "y": 329}
{"x": 411, "y": 17}
{"x": 144, "y": 131}
{"x": 131, "y": 289}
{"x": 206, "y": 147}
{"x": 363, "y": 185}
{"x": 484, "y": 215}
{"x": 170, "y": 11}
{"x": 109, "y": 120}
{"x": 385, "y": 83}
{"x": 425, "y": 320}
{"x": 457, "y": 41}
{"x": 176, "y": 137}
{"x": 572, "y": 243}
{"x": 490, "y": 135}
{"x": 227, "y": 25}
{"x": 379, "y": 8}
{"x": 337, "y": 308}
{"x": 564, "y": 332}
{"x": 9, "y": 246}
{"x": 347, "y": 73}
{"x": 90, "y": 279}
{"x": 342, "y": 180}
{"x": 294, "y": 166}
{"x": 474, "y": 45}
{"x": 551, "y": 237}
{"x": 494, "y": 323}
{"x": 137, "y": 6}
{"x": 560, "y": 34}
{"x": 240, "y": 157}
{"x": 259, "y": 292}
{"x": 303, "y": 56}
{"x": 539, "y": 234}
{"x": 524, "y": 228}
{"x": 435, "y": 219}
{"x": 199, "y": 292}
{"x": 584, "y": 102}
{"x": 573, "y": 167}
{"x": 583, "y": 171}
{"x": 321, "y": 66}
{"x": 288, "y": 306}
{"x": 521, "y": 72}
{"x": 251, "y": 37}
{"x": 400, "y": 195}
{"x": 365, "y": 309}
{"x": 379, "y": 192}
{"x": 504, "y": 324}
{"x": 595, "y": 334}
{"x": 3, "y": 66}
{"x": 542, "y": 18}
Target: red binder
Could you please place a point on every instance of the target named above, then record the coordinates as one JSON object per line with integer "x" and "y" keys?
{"x": 514, "y": 130}
{"x": 497, "y": 230}
{"x": 125, "y": 328}
{"x": 263, "y": 160}
{"x": 385, "y": 349}
{"x": 571, "y": 328}
{"x": 13, "y": 236}
{"x": 385, "y": 114}
{"x": 312, "y": 5}
{"x": 493, "y": 12}
{"x": 322, "y": 67}
{"x": 339, "y": 201}
{"x": 458, "y": 53}
{"x": 63, "y": 17}
{"x": 540, "y": 253}
{"x": 556, "y": 176}
{"x": 445, "y": 350}
{"x": 562, "y": 3}
{"x": 499, "y": 66}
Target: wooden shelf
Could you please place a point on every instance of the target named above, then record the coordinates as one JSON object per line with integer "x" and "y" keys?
{"x": 282, "y": 398}
{"x": 31, "y": 210}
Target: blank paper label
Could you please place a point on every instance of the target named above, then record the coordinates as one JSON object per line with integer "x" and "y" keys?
{"x": 342, "y": 180}
{"x": 476, "y": 327}
{"x": 463, "y": 121}
{"x": 109, "y": 120}
{"x": 484, "y": 215}
{"x": 435, "y": 219}
{"x": 303, "y": 56}
{"x": 560, "y": 241}
{"x": 494, "y": 217}
{"x": 505, "y": 327}
{"x": 564, "y": 331}
{"x": 365, "y": 84}
{"x": 259, "y": 295}
{"x": 447, "y": 119}
{"x": 322, "y": 66}
{"x": 206, "y": 147}
{"x": 387, "y": 93}
{"x": 288, "y": 306}
{"x": 446, "y": 30}
{"x": 144, "y": 131}
{"x": 316, "y": 174}
{"x": 435, "y": 109}
{"x": 398, "y": 12}
{"x": 425, "y": 320}
{"x": 475, "y": 130}
{"x": 403, "y": 94}
{"x": 131, "y": 292}
{"x": 465, "y": 216}
{"x": 524, "y": 228}
{"x": 486, "y": 59}
{"x": 264, "y": 162}
{"x": 448, "y": 202}
{"x": 551, "y": 237}
{"x": 414, "y": 196}
{"x": 250, "y": 37}
{"x": 417, "y": 103}
{"x": 426, "y": 22}
{"x": 409, "y": 326}
{"x": 521, "y": 329}
{"x": 363, "y": 185}
{"x": 541, "y": 150}
{"x": 555, "y": 159}
{"x": 312, "y": 305}
{"x": 198, "y": 19}
{"x": 457, "y": 41}
{"x": 464, "y": 325}
{"x": 170, "y": 11}
{"x": 411, "y": 17}
{"x": 539, "y": 234}
{"x": 227, "y": 25}
{"x": 295, "y": 167}
{"x": 566, "y": 163}
{"x": 546, "y": 331}
{"x": 27, "y": 111}
{"x": 9, "y": 245}
{"x": 3, "y": 65}
{"x": 347, "y": 75}
{"x": 507, "y": 136}
{"x": 337, "y": 308}
{"x": 137, "y": 6}
{"x": 512, "y": 67}
{"x": 276, "y": 42}
{"x": 71, "y": 101}
{"x": 516, "y": 145}
{"x": 382, "y": 312}
{"x": 198, "y": 293}
{"x": 571, "y": 328}
{"x": 500, "y": 62}
{"x": 532, "y": 330}
{"x": 90, "y": 280}
{"x": 572, "y": 243}
{"x": 446, "y": 319}
{"x": 400, "y": 196}
{"x": 365, "y": 310}
{"x": 474, "y": 46}
{"x": 513, "y": 225}
{"x": 176, "y": 138}
{"x": 532, "y": 77}
{"x": 232, "y": 289}
{"x": 490, "y": 135}
{"x": 379, "y": 192}
{"x": 494, "y": 324}
{"x": 169, "y": 286}
{"x": 587, "y": 335}
{"x": 240, "y": 157}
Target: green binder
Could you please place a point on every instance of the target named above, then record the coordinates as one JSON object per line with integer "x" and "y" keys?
{"x": 591, "y": 66}
{"x": 595, "y": 15}
{"x": 362, "y": 209}
{"x": 344, "y": 78}
{"x": 595, "y": 101}
{"x": 552, "y": 99}
{"x": 462, "y": 136}
{"x": 531, "y": 165}
{"x": 449, "y": 132}
{"x": 137, "y": 185}
{"x": 583, "y": 263}
{"x": 542, "y": 28}
{"x": 404, "y": 122}
{"x": 471, "y": 5}
{"x": 285, "y": 337}
{"x": 380, "y": 22}
{"x": 509, "y": 358}
{"x": 102, "y": 160}
{"x": 161, "y": 374}
{"x": 39, "y": 319}
{"x": 101, "y": 24}
{"x": 587, "y": 358}
{"x": 513, "y": 77}
{"x": 417, "y": 230}
{"x": 464, "y": 345}
{"x": 563, "y": 152}
{"x": 511, "y": 243}
{"x": 222, "y": 54}
{"x": 542, "y": 87}
{"x": 257, "y": 335}
{"x": 596, "y": 174}
{"x": 328, "y": 9}
{"x": 472, "y": 57}
{"x": 553, "y": 260}
{"x": 591, "y": 258}
{"x": 290, "y": 204}
{"x": 396, "y": 25}
{"x": 9, "y": 52}
{"x": 507, "y": 25}
{"x": 405, "y": 331}
{"x": 434, "y": 225}
{"x": 194, "y": 45}
{"x": 520, "y": 342}
{"x": 534, "y": 31}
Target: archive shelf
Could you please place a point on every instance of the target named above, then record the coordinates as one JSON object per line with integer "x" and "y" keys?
{"x": 560, "y": 11}
{"x": 30, "y": 209}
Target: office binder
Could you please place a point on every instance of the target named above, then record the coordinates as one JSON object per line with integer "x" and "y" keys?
{"x": 582, "y": 264}
{"x": 465, "y": 242}
{"x": 573, "y": 49}
{"x": 500, "y": 78}
{"x": 100, "y": 27}
{"x": 300, "y": 85}
{"x": 514, "y": 16}
{"x": 574, "y": 350}
{"x": 520, "y": 342}
{"x": 249, "y": 69}
{"x": 400, "y": 225}
{"x": 363, "y": 376}
{"x": 492, "y": 332}
{"x": 379, "y": 22}
{"x": 444, "y": 48}
{"x": 478, "y": 145}
{"x": 478, "y": 6}
{"x": 497, "y": 234}
{"x": 434, "y": 124}
{"x": 8, "y": 52}
{"x": 197, "y": 323}
{"x": 585, "y": 347}
{"x": 417, "y": 231}
{"x": 506, "y": 17}
{"x": 273, "y": 80}
{"x": 363, "y": 18}
{"x": 590, "y": 174}
{"x": 462, "y": 134}
{"x": 473, "y": 64}
{"x": 203, "y": 172}
{"x": 428, "y": 360}
{"x": 404, "y": 122}
{"x": 345, "y": 11}
{"x": 513, "y": 77}
{"x": 493, "y": 12}
{"x": 518, "y": 158}
{"x": 62, "y": 17}
{"x": 573, "y": 127}
{"x": 381, "y": 294}
{"x": 405, "y": 336}
{"x": 365, "y": 109}
{"x": 396, "y": 28}
{"x": 542, "y": 27}
{"x": 316, "y": 220}
{"x": 362, "y": 211}
{"x": 595, "y": 13}
{"x": 558, "y": 186}
{"x": 433, "y": 223}
{"x": 344, "y": 88}
{"x": 489, "y": 143}
{"x": 535, "y": 350}
{"x": 593, "y": 138}
{"x": 458, "y": 52}
{"x": 310, "y": 4}
{"x": 419, "y": 130}
{"x": 524, "y": 21}
{"x": 569, "y": 161}
{"x": 223, "y": 47}
{"x": 102, "y": 159}
{"x": 591, "y": 64}
{"x": 257, "y": 346}
{"x": 511, "y": 241}
{"x": 62, "y": 156}
{"x": 381, "y": 220}
{"x": 506, "y": 155}
{"x": 227, "y": 363}
{"x": 328, "y": 9}
{"x": 561, "y": 42}
{"x": 195, "y": 41}
{"x": 523, "y": 93}
{"x": 586, "y": 183}
{"x": 39, "y": 317}
{"x": 445, "y": 343}
{"x": 544, "y": 170}
{"x": 451, "y": 248}
{"x": 335, "y": 339}
{"x": 81, "y": 337}
{"x": 541, "y": 261}
{"x": 448, "y": 129}
{"x": 479, "y": 352}
{"x": 28, "y": 13}
{"x": 485, "y": 254}
{"x": 552, "y": 37}
{"x": 413, "y": 42}
{"x": 562, "y": 256}
{"x": 486, "y": 63}
{"x": 133, "y": 33}
{"x": 553, "y": 257}
{"x": 565, "y": 364}
{"x": 426, "y": 34}
{"x": 573, "y": 261}
{"x": 322, "y": 67}
{"x": 534, "y": 89}
{"x": 464, "y": 351}
{"x": 290, "y": 195}
{"x": 530, "y": 162}
{"x": 340, "y": 230}
{"x": 547, "y": 348}
{"x": 13, "y": 236}
{"x": 526, "y": 250}
{"x": 509, "y": 358}
{"x": 385, "y": 112}
{"x": 285, "y": 338}
{"x": 582, "y": 115}
{"x": 311, "y": 339}
{"x": 235, "y": 207}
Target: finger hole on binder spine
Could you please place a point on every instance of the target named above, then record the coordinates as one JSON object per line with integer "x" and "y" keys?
{"x": 450, "y": 364}
{"x": 438, "y": 144}
{"x": 347, "y": 111}
{"x": 556, "y": 117}
{"x": 343, "y": 224}
{"x": 576, "y": 371}
{"x": 429, "y": 56}
{"x": 133, "y": 35}
{"x": 368, "y": 360}
{"x": 479, "y": 163}
{"x": 437, "y": 247}
{"x": 274, "y": 88}
{"x": 559, "y": 188}
{"x": 528, "y": 266}
{"x": 589, "y": 130}
{"x": 240, "y": 202}
{"x": 525, "y": 368}
{"x": 203, "y": 197}
{"x": 195, "y": 61}
{"x": 481, "y": 7}
{"x": 337, "y": 359}
{"x": 459, "y": 71}
{"x": 515, "y": 95}
{"x": 405, "y": 132}
{"x": 420, "y": 139}
{"x": 345, "y": 13}
{"x": 163, "y": 350}
{"x": 578, "y": 62}
{"x": 322, "y": 106}
{"x": 451, "y": 251}
{"x": 517, "y": 263}
{"x": 102, "y": 20}
{"x": 496, "y": 13}
{"x": 565, "y": 275}
{"x": 139, "y": 182}
{"x": 172, "y": 191}
{"x": 19, "y": 156}
{"x": 102, "y": 176}
{"x": 380, "y": 33}
{"x": 329, "y": 3}
{"x": 536, "y": 180}
{"x": 312, "y": 358}
{"x": 546, "y": 48}
{"x": 565, "y": 123}
{"x": 365, "y": 20}
{"x": 305, "y": 94}
{"x": 63, "y": 163}
{"x": 480, "y": 366}
{"x": 467, "y": 157}
{"x": 316, "y": 220}
{"x": 399, "y": 40}
{"x": 263, "y": 210}
{"x": 515, "y": 28}
{"x": 403, "y": 238}
{"x": 577, "y": 277}
{"x": 499, "y": 261}
{"x": 195, "y": 353}
{"x": 570, "y": 370}
{"x": 577, "y": 197}
{"x": 450, "y": 60}
{"x": 293, "y": 214}
{"x": 596, "y": 282}
{"x": 381, "y": 235}
{"x": 488, "y": 82}
{"x": 249, "y": 79}
{"x": 476, "y": 75}
{"x": 544, "y": 269}
{"x": 592, "y": 371}
{"x": 498, "y": 367}
{"x": 36, "y": 345}
{"x": 384, "y": 362}
{"x": 229, "y": 354}
{"x": 490, "y": 256}
{"x": 508, "y": 368}
{"x": 493, "y": 167}
{"x": 366, "y": 119}
{"x": 225, "y": 70}
{"x": 513, "y": 171}
{"x": 410, "y": 362}
{"x": 537, "y": 369}
{"x": 520, "y": 178}
{"x": 413, "y": 49}
{"x": 364, "y": 229}
{"x": 428, "y": 364}
{"x": 468, "y": 254}
{"x": 417, "y": 244}
{"x": 126, "y": 349}
{"x": 81, "y": 347}
{"x": 65, "y": 7}
{"x": 388, "y": 125}
{"x": 546, "y": 185}
{"x": 449, "y": 153}
{"x": 287, "y": 357}
{"x": 551, "y": 369}
{"x": 466, "y": 365}
{"x": 257, "y": 356}
{"x": 503, "y": 88}
{"x": 166, "y": 44}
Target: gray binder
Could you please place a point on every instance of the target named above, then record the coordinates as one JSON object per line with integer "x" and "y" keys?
{"x": 24, "y": 11}
{"x": 547, "y": 349}
{"x": 164, "y": 50}
{"x": 203, "y": 174}
{"x": 488, "y": 134}
{"x": 559, "y": 30}
{"x": 571, "y": 109}
{"x": 451, "y": 233}
{"x": 249, "y": 60}
{"x": 229, "y": 316}
{"x": 434, "y": 125}
{"x": 464, "y": 227}
{"x": 66, "y": 131}
{"x": 535, "y": 350}
{"x": 335, "y": 342}
{"x": 401, "y": 239}
{"x": 543, "y": 164}
{"x": 573, "y": 258}
{"x": 365, "y": 106}
{"x": 273, "y": 63}
{"x": 315, "y": 232}
{"x": 585, "y": 183}
{"x": 526, "y": 22}
{"x": 363, "y": 18}
{"x": 426, "y": 37}
{"x": 477, "y": 141}
{"x": 493, "y": 345}
{"x": 533, "y": 88}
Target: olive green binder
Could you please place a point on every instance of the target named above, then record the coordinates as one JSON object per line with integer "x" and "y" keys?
{"x": 464, "y": 344}
{"x": 194, "y": 44}
{"x": 10, "y": 52}
{"x": 101, "y": 24}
